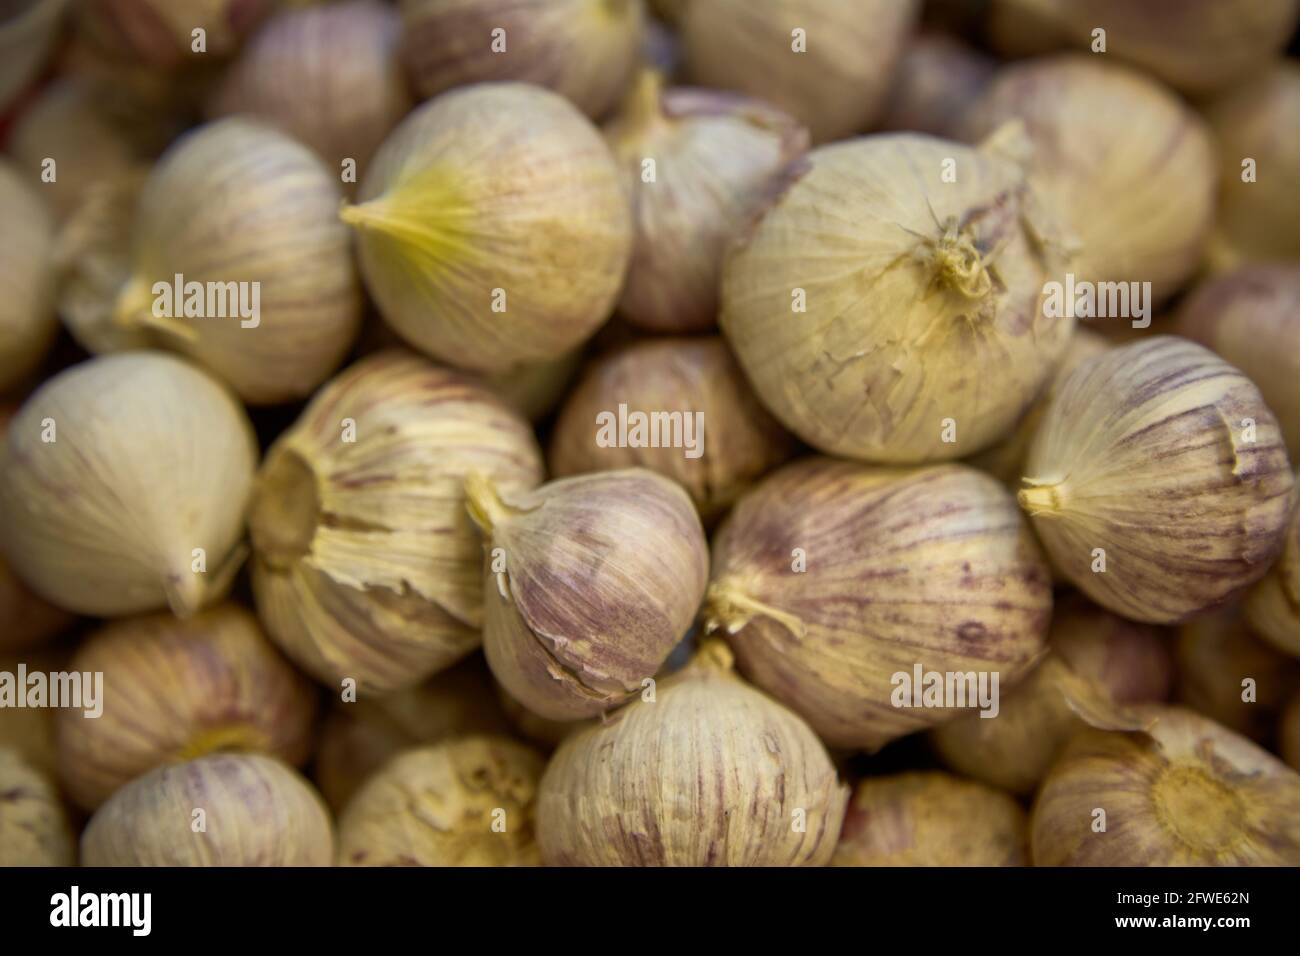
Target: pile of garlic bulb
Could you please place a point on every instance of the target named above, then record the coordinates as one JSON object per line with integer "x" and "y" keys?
{"x": 649, "y": 433}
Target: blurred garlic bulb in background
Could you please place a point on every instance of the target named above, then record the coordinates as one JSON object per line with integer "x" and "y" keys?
{"x": 931, "y": 819}
{"x": 30, "y": 731}
{"x": 1185, "y": 792}
{"x": 938, "y": 79}
{"x": 698, "y": 163}
{"x": 28, "y": 322}
{"x": 589, "y": 584}
{"x": 803, "y": 56}
{"x": 359, "y": 737}
{"x": 25, "y": 619}
{"x": 1288, "y": 734}
{"x": 174, "y": 690}
{"x": 1193, "y": 45}
{"x": 328, "y": 76}
{"x": 1006, "y": 460}
{"x": 1259, "y": 163}
{"x": 535, "y": 390}
{"x": 255, "y": 811}
{"x": 1227, "y": 674}
{"x": 1250, "y": 317}
{"x": 238, "y": 260}
{"x": 1158, "y": 480}
{"x": 541, "y": 731}
{"x": 108, "y": 503}
{"x": 463, "y": 802}
{"x": 869, "y": 318}
{"x": 1273, "y": 605}
{"x": 1096, "y": 662}
{"x": 26, "y": 37}
{"x": 34, "y": 827}
{"x": 713, "y": 773}
{"x": 1135, "y": 208}
{"x": 366, "y": 564}
{"x": 737, "y": 443}
{"x": 493, "y": 228}
{"x": 162, "y": 33}
{"x": 68, "y": 124}
{"x": 831, "y": 579}
{"x": 585, "y": 50}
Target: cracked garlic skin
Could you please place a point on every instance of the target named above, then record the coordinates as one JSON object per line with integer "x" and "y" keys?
{"x": 28, "y": 323}
{"x": 34, "y": 828}
{"x": 248, "y": 211}
{"x": 871, "y": 320}
{"x": 851, "y": 45}
{"x": 1167, "y": 459}
{"x": 468, "y": 801}
{"x": 366, "y": 564}
{"x": 1273, "y": 605}
{"x": 739, "y": 442}
{"x": 256, "y": 811}
{"x": 1124, "y": 661}
{"x": 1133, "y": 208}
{"x": 698, "y": 163}
{"x": 584, "y": 50}
{"x": 174, "y": 690}
{"x": 1185, "y": 792}
{"x": 589, "y": 583}
{"x": 124, "y": 512}
{"x": 492, "y": 227}
{"x": 831, "y": 578}
{"x": 931, "y": 819}
{"x": 711, "y": 773}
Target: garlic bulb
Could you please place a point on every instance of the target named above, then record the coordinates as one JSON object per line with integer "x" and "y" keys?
{"x": 1158, "y": 480}
{"x": 1186, "y": 792}
{"x": 1193, "y": 45}
{"x": 108, "y": 504}
{"x": 177, "y": 690}
{"x": 359, "y": 737}
{"x": 68, "y": 124}
{"x": 1250, "y": 317}
{"x": 1259, "y": 210}
{"x": 220, "y": 810}
{"x": 366, "y": 564}
{"x": 698, "y": 164}
{"x": 1227, "y": 674}
{"x": 238, "y": 261}
{"x": 1273, "y": 605}
{"x": 493, "y": 229}
{"x": 464, "y": 802}
{"x": 845, "y": 589}
{"x": 1097, "y": 662}
{"x": 1289, "y": 733}
{"x": 870, "y": 317}
{"x": 732, "y": 439}
{"x": 1136, "y": 208}
{"x": 34, "y": 829}
{"x": 165, "y": 33}
{"x": 27, "y": 277}
{"x": 938, "y": 79}
{"x": 328, "y": 76}
{"x": 1006, "y": 460}
{"x": 585, "y": 50}
{"x": 589, "y": 584}
{"x": 713, "y": 773}
{"x": 802, "y": 55}
{"x": 931, "y": 819}
{"x": 26, "y": 36}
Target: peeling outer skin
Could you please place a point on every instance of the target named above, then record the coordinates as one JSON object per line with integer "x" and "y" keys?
{"x": 1140, "y": 453}
{"x": 924, "y": 566}
{"x": 604, "y": 574}
{"x": 1184, "y": 792}
{"x": 710, "y": 774}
